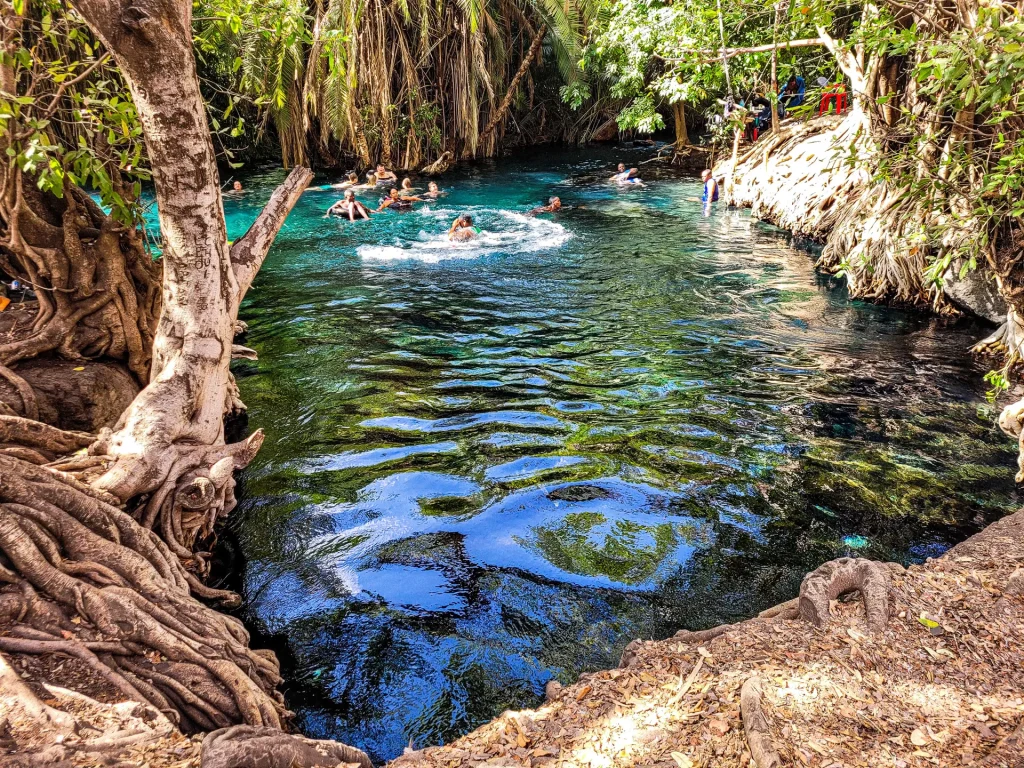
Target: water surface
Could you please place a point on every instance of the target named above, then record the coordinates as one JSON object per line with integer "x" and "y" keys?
{"x": 491, "y": 465}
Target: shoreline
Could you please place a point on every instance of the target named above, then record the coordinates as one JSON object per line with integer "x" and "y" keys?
{"x": 841, "y": 694}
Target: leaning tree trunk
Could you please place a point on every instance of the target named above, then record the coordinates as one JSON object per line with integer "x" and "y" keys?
{"x": 96, "y": 557}
{"x": 179, "y": 416}
{"x": 524, "y": 67}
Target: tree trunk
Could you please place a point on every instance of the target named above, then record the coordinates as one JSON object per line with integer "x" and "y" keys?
{"x": 181, "y": 411}
{"x": 775, "y": 70}
{"x": 679, "y": 114}
{"x": 524, "y": 67}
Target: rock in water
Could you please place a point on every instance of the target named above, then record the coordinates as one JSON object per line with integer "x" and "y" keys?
{"x": 976, "y": 293}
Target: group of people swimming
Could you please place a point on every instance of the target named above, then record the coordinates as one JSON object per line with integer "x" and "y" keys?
{"x": 401, "y": 198}
{"x": 405, "y": 196}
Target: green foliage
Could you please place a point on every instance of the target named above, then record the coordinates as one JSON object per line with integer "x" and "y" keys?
{"x": 655, "y": 53}
{"x": 70, "y": 120}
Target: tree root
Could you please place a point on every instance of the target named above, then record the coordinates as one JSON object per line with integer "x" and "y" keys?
{"x": 755, "y": 725}
{"x": 838, "y": 577}
{"x": 69, "y": 554}
{"x": 244, "y": 746}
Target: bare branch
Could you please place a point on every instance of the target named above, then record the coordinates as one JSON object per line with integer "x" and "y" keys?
{"x": 249, "y": 251}
{"x": 728, "y": 53}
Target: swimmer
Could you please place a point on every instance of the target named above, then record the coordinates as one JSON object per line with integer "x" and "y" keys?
{"x": 554, "y": 206}
{"x": 371, "y": 182}
{"x": 236, "y": 189}
{"x": 384, "y": 175}
{"x": 433, "y": 192}
{"x": 349, "y": 207}
{"x": 626, "y": 175}
{"x": 351, "y": 182}
{"x": 407, "y": 187}
{"x": 395, "y": 202}
{"x": 462, "y": 229}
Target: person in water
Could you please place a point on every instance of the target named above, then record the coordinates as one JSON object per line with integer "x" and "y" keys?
{"x": 371, "y": 182}
{"x": 350, "y": 207}
{"x": 396, "y": 202}
{"x": 554, "y": 206}
{"x": 384, "y": 175}
{"x": 462, "y": 229}
{"x": 626, "y": 175}
{"x": 407, "y": 188}
{"x": 433, "y": 192}
{"x": 710, "y": 190}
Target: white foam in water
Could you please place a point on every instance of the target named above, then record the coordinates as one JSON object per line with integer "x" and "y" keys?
{"x": 500, "y": 232}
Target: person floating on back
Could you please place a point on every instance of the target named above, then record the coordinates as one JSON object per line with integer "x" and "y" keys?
{"x": 462, "y": 229}
{"x": 350, "y": 207}
{"x": 554, "y": 205}
{"x": 626, "y": 175}
{"x": 710, "y": 190}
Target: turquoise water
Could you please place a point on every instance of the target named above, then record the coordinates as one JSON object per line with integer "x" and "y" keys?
{"x": 491, "y": 465}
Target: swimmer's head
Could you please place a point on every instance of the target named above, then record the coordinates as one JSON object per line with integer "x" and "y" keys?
{"x": 432, "y": 186}
{"x": 622, "y": 167}
{"x": 237, "y": 186}
{"x": 371, "y": 178}
{"x": 352, "y": 177}
{"x": 466, "y": 219}
{"x": 381, "y": 169}
{"x": 406, "y": 183}
{"x": 705, "y": 174}
{"x": 555, "y": 202}
{"x": 350, "y": 195}
{"x": 393, "y": 194}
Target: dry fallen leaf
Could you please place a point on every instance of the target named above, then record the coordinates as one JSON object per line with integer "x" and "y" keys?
{"x": 682, "y": 760}
{"x": 719, "y": 726}
{"x": 919, "y": 738}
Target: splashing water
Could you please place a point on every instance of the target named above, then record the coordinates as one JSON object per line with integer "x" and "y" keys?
{"x": 504, "y": 232}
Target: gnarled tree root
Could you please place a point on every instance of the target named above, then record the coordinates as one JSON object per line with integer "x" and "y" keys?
{"x": 839, "y": 577}
{"x": 244, "y": 746}
{"x": 81, "y": 571}
{"x": 755, "y": 725}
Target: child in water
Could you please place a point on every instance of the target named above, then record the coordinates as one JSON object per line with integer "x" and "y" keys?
{"x": 349, "y": 207}
{"x": 462, "y": 229}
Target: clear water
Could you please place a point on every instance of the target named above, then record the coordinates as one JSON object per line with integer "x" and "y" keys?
{"x": 494, "y": 464}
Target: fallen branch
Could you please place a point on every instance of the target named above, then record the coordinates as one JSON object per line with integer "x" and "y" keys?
{"x": 728, "y": 53}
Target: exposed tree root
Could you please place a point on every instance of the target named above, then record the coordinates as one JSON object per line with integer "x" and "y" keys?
{"x": 840, "y": 577}
{"x": 84, "y": 578}
{"x": 755, "y": 725}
